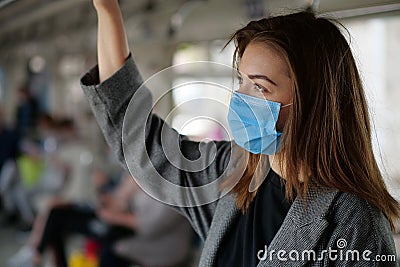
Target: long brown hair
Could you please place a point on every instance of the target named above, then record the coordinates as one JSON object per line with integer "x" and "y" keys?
{"x": 327, "y": 135}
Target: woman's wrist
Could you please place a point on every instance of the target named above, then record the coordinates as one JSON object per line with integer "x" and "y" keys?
{"x": 106, "y": 6}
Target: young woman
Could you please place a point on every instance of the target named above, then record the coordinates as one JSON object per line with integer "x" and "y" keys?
{"x": 301, "y": 102}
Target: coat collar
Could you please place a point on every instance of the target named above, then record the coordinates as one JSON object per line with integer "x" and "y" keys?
{"x": 303, "y": 226}
{"x": 300, "y": 230}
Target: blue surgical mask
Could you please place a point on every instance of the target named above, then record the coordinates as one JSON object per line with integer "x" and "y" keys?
{"x": 253, "y": 123}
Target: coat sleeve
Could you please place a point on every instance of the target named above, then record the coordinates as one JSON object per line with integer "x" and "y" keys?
{"x": 140, "y": 146}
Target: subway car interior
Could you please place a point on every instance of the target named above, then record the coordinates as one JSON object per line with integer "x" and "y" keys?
{"x": 65, "y": 199}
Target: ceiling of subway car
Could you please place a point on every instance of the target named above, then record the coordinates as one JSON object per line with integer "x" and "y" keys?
{"x": 25, "y": 20}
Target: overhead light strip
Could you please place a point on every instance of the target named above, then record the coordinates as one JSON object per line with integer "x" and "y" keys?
{"x": 364, "y": 11}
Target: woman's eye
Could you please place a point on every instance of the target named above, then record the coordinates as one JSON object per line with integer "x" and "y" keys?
{"x": 261, "y": 88}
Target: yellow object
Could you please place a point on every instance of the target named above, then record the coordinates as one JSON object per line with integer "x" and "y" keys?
{"x": 78, "y": 259}
{"x": 30, "y": 170}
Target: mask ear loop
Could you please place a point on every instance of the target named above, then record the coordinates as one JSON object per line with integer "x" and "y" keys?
{"x": 284, "y": 106}
{"x": 260, "y": 90}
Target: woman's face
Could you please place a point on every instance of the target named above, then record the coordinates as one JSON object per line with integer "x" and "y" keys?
{"x": 263, "y": 66}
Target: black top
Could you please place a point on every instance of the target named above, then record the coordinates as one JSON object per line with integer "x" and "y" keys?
{"x": 256, "y": 227}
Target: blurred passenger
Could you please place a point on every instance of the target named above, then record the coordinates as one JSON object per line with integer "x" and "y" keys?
{"x": 27, "y": 111}
{"x": 8, "y": 141}
{"x": 49, "y": 171}
{"x": 25, "y": 257}
{"x": 131, "y": 228}
{"x": 68, "y": 162}
{"x": 18, "y": 182}
{"x": 84, "y": 219}
{"x": 8, "y": 152}
{"x": 163, "y": 237}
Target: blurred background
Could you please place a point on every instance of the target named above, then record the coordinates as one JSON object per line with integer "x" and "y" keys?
{"x": 52, "y": 154}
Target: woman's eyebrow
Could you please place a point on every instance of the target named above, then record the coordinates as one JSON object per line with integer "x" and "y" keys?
{"x": 262, "y": 77}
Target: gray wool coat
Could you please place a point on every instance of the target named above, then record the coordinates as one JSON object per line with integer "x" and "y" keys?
{"x": 332, "y": 223}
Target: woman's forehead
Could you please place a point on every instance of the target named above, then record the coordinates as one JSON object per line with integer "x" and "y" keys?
{"x": 261, "y": 58}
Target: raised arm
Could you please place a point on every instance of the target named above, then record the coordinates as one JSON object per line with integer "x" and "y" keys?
{"x": 112, "y": 44}
{"x": 172, "y": 168}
